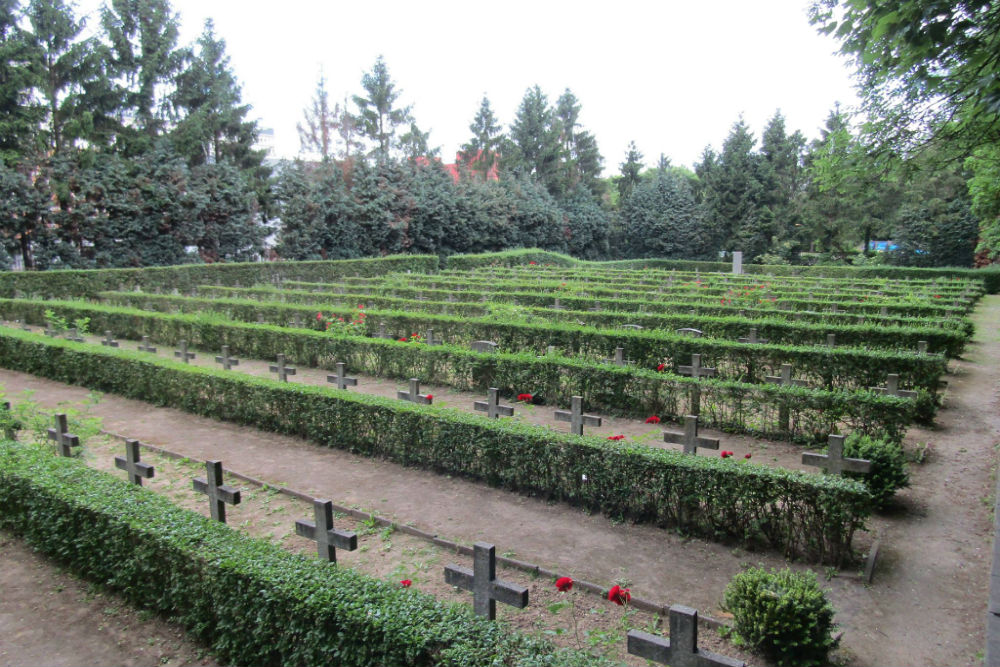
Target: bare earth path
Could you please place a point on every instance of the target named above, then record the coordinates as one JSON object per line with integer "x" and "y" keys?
{"x": 926, "y": 607}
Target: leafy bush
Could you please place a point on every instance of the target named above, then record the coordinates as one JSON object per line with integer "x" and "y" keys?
{"x": 783, "y": 614}
{"x": 889, "y": 471}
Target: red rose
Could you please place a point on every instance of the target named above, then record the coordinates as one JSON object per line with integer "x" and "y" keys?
{"x": 361, "y": 306}
{"x": 564, "y": 584}
{"x": 747, "y": 455}
{"x": 620, "y": 596}
{"x": 524, "y": 397}
{"x": 616, "y": 437}
{"x": 653, "y": 420}
{"x": 532, "y": 262}
{"x": 430, "y": 397}
{"x": 661, "y": 367}
{"x": 319, "y": 316}
{"x": 402, "y": 340}
{"x": 405, "y": 583}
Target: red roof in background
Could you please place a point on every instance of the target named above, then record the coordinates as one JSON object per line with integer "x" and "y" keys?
{"x": 456, "y": 175}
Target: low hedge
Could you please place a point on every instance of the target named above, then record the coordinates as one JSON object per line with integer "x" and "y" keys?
{"x": 87, "y": 283}
{"x": 252, "y": 602}
{"x": 736, "y": 407}
{"x": 809, "y": 515}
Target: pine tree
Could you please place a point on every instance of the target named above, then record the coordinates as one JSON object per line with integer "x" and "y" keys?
{"x": 378, "y": 116}
{"x": 413, "y": 144}
{"x": 783, "y": 176}
{"x": 19, "y": 114}
{"x": 534, "y": 142}
{"x": 662, "y": 219}
{"x": 316, "y": 133}
{"x": 630, "y": 170}
{"x": 348, "y": 133}
{"x": 481, "y": 152}
{"x": 581, "y": 160}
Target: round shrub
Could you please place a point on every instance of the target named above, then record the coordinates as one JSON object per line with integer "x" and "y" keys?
{"x": 889, "y": 471}
{"x": 783, "y": 614}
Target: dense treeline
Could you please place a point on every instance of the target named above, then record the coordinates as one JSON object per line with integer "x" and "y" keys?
{"x": 126, "y": 149}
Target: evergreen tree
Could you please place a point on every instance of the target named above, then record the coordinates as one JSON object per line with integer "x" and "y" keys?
{"x": 481, "y": 152}
{"x": 378, "y": 116}
{"x": 630, "y": 170}
{"x": 587, "y": 226}
{"x": 784, "y": 180}
{"x": 413, "y": 144}
{"x": 19, "y": 114}
{"x": 581, "y": 160}
{"x": 662, "y": 219}
{"x": 316, "y": 133}
{"x": 534, "y": 143}
{"x": 227, "y": 215}
{"x": 22, "y": 211}
{"x": 348, "y": 133}
{"x": 317, "y": 213}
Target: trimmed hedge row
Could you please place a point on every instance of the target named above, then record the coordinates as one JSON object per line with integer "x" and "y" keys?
{"x": 87, "y": 283}
{"x": 253, "y": 602}
{"x": 809, "y": 515}
{"x": 774, "y": 328}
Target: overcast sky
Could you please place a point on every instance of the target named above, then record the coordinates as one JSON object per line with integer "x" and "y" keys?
{"x": 672, "y": 76}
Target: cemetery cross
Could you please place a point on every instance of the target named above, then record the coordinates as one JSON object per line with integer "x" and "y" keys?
{"x": 681, "y": 649}
{"x": 689, "y": 438}
{"x": 341, "y": 379}
{"x": 281, "y": 369}
{"x": 63, "y": 438}
{"x": 576, "y": 418}
{"x": 108, "y": 341}
{"x": 892, "y": 388}
{"x": 328, "y": 539}
{"x": 183, "y": 353}
{"x": 834, "y": 462}
{"x": 144, "y": 346}
{"x": 132, "y": 465}
{"x": 785, "y": 380}
{"x": 491, "y": 406}
{"x": 414, "y": 395}
{"x": 218, "y": 494}
{"x": 697, "y": 371}
{"x": 226, "y": 361}
{"x": 482, "y": 581}
{"x": 752, "y": 338}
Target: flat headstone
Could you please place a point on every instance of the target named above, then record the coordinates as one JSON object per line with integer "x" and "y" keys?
{"x": 327, "y": 538}
{"x": 689, "y": 331}
{"x": 485, "y": 346}
{"x": 635, "y": 327}
{"x": 131, "y": 463}
{"x": 482, "y": 580}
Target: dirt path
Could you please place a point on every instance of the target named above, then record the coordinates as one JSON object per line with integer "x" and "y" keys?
{"x": 925, "y": 608}
{"x": 48, "y": 617}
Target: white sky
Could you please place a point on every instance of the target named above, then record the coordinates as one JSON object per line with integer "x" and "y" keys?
{"x": 671, "y": 75}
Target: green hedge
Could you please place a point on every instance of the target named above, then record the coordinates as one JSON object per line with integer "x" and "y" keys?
{"x": 736, "y": 407}
{"x": 252, "y": 602}
{"x": 809, "y": 515}
{"x": 88, "y": 283}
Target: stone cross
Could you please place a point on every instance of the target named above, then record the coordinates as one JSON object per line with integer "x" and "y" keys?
{"x": 296, "y": 321}
{"x": 281, "y": 369}
{"x": 183, "y": 353}
{"x": 218, "y": 494}
{"x": 892, "y": 388}
{"x": 381, "y": 331}
{"x": 689, "y": 331}
{"x": 144, "y": 346}
{"x": 752, "y": 338}
{"x": 921, "y": 347}
{"x": 860, "y": 320}
{"x": 328, "y": 539}
{"x": 575, "y": 416}
{"x": 74, "y": 335}
{"x": 63, "y": 438}
{"x": 831, "y": 340}
{"x": 491, "y": 406}
{"x": 834, "y": 308}
{"x": 414, "y": 395}
{"x": 556, "y": 305}
{"x": 689, "y": 438}
{"x": 131, "y": 463}
{"x": 697, "y": 371}
{"x": 883, "y": 311}
{"x": 681, "y": 649}
{"x": 785, "y": 380}
{"x": 834, "y": 462}
{"x": 483, "y": 346}
{"x": 49, "y": 331}
{"x": 482, "y": 581}
{"x": 430, "y": 339}
{"x": 343, "y": 382}
{"x": 619, "y": 358}
{"x": 227, "y": 361}
{"x": 108, "y": 341}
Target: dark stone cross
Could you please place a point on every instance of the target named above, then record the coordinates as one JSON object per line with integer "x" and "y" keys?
{"x": 752, "y": 338}
{"x": 414, "y": 395}
{"x": 690, "y": 331}
{"x": 619, "y": 358}
{"x": 108, "y": 341}
{"x": 63, "y": 438}
{"x": 860, "y": 320}
{"x": 575, "y": 416}
{"x": 681, "y": 649}
{"x": 482, "y": 581}
{"x": 833, "y": 461}
{"x": 281, "y": 369}
{"x": 892, "y": 388}
{"x": 144, "y": 346}
{"x": 831, "y": 340}
{"x": 785, "y": 380}
{"x": 227, "y": 361}
{"x": 74, "y": 335}
{"x": 485, "y": 346}
{"x": 260, "y": 319}
{"x": 491, "y": 406}
{"x": 296, "y": 321}
{"x": 556, "y": 305}
{"x": 697, "y": 371}
{"x": 921, "y": 347}
{"x": 131, "y": 463}
{"x": 328, "y": 539}
{"x": 430, "y": 339}
{"x": 183, "y": 353}
{"x": 218, "y": 494}
{"x": 834, "y": 308}
{"x": 341, "y": 379}
{"x": 689, "y": 438}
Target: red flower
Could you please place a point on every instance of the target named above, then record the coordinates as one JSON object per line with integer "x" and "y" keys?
{"x": 524, "y": 397}
{"x": 430, "y": 397}
{"x": 937, "y": 296}
{"x": 616, "y": 437}
{"x": 405, "y": 583}
{"x": 620, "y": 596}
{"x": 661, "y": 367}
{"x": 402, "y": 340}
{"x": 532, "y": 262}
{"x": 564, "y": 584}
{"x": 747, "y": 455}
{"x": 319, "y": 316}
{"x": 725, "y": 454}
{"x": 361, "y": 306}
{"x": 653, "y": 420}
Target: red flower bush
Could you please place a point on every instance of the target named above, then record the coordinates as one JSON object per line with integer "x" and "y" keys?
{"x": 525, "y": 397}
{"x": 403, "y": 340}
{"x": 661, "y": 367}
{"x": 319, "y": 316}
{"x": 620, "y": 596}
{"x": 564, "y": 584}
{"x": 405, "y": 583}
{"x": 532, "y": 262}
{"x": 653, "y": 420}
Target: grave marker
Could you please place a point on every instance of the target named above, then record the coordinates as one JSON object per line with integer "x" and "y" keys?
{"x": 619, "y": 358}
{"x": 183, "y": 353}
{"x": 491, "y": 406}
{"x": 218, "y": 494}
{"x": 681, "y": 649}
{"x": 752, "y": 338}
{"x": 108, "y": 341}
{"x": 430, "y": 339}
{"x": 485, "y": 346}
{"x": 74, "y": 336}
{"x": 636, "y": 327}
{"x": 737, "y": 262}
{"x": 24, "y": 327}
{"x": 883, "y": 311}
{"x": 482, "y": 580}
{"x": 785, "y": 380}
{"x": 49, "y": 331}
{"x": 132, "y": 465}
{"x": 556, "y": 305}
{"x": 144, "y": 346}
{"x": 575, "y": 416}
{"x": 921, "y": 347}
{"x": 341, "y": 379}
{"x": 414, "y": 395}
{"x": 64, "y": 440}
{"x": 697, "y": 371}
{"x": 8, "y": 427}
{"x": 689, "y": 438}
{"x": 834, "y": 461}
{"x": 281, "y": 369}
{"x": 328, "y": 539}
{"x": 892, "y": 388}
{"x": 296, "y": 321}
{"x": 688, "y": 331}
{"x": 227, "y": 361}
{"x": 831, "y": 340}
{"x": 381, "y": 331}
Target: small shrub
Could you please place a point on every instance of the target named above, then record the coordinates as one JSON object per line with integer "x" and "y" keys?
{"x": 783, "y": 614}
{"x": 889, "y": 470}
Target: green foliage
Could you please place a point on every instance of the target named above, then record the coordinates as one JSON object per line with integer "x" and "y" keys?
{"x": 935, "y": 234}
{"x": 782, "y": 613}
{"x": 889, "y": 470}
{"x": 379, "y": 117}
{"x": 806, "y": 514}
{"x": 984, "y": 189}
{"x": 251, "y": 601}
{"x": 661, "y": 219}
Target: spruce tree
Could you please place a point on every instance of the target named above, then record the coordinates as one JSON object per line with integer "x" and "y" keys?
{"x": 481, "y": 152}
{"x": 20, "y": 115}
{"x": 378, "y": 116}
{"x": 317, "y": 130}
{"x": 630, "y": 170}
{"x": 534, "y": 142}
